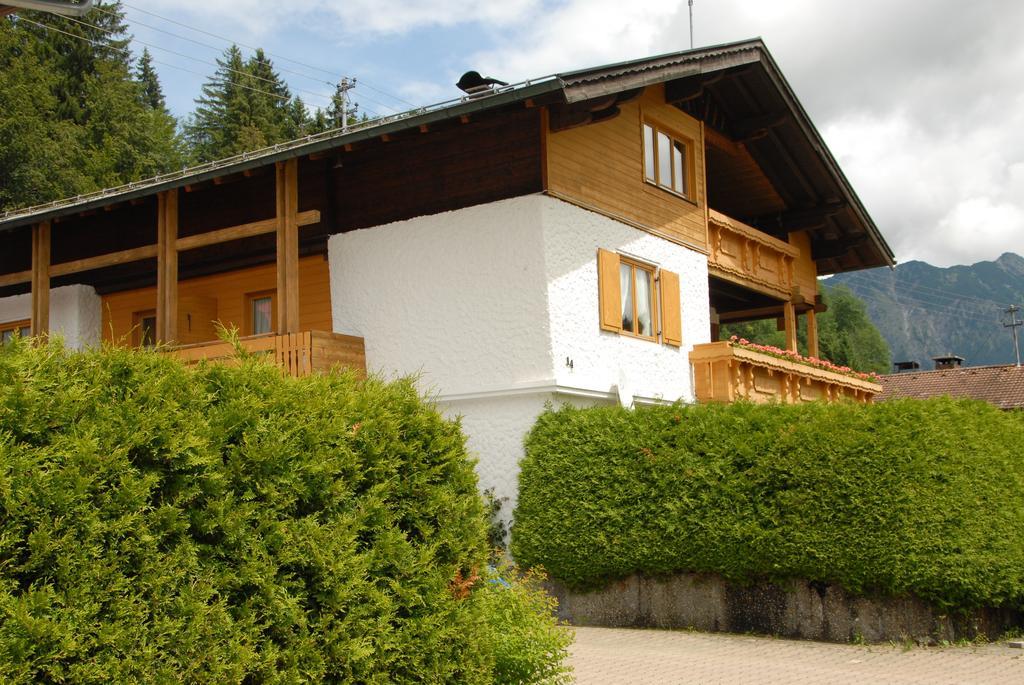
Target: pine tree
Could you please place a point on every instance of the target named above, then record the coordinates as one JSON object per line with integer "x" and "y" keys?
{"x": 145, "y": 74}
{"x": 244, "y": 106}
{"x": 74, "y": 119}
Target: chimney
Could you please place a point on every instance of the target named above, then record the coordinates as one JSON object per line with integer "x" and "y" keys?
{"x": 948, "y": 361}
{"x": 900, "y": 367}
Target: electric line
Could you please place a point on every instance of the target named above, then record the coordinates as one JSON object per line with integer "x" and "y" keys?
{"x": 918, "y": 299}
{"x": 198, "y": 59}
{"x": 934, "y": 290}
{"x": 944, "y": 309}
{"x": 274, "y": 55}
{"x": 127, "y": 52}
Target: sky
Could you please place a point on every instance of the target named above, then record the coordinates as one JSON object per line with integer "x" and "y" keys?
{"x": 921, "y": 101}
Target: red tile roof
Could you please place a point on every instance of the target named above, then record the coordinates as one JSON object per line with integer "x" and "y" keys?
{"x": 1002, "y": 386}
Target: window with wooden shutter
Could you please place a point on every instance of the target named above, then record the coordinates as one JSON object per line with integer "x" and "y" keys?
{"x": 633, "y": 302}
{"x": 671, "y": 311}
{"x": 610, "y": 296}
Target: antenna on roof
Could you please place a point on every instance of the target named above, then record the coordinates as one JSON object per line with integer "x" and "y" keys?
{"x": 691, "y": 24}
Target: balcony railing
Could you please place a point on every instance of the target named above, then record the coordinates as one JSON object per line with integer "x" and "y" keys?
{"x": 724, "y": 373}
{"x": 298, "y": 354}
{"x": 742, "y": 254}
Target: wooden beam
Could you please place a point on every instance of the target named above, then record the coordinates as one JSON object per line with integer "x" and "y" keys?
{"x": 111, "y": 259}
{"x": 16, "y": 278}
{"x": 789, "y": 316}
{"x": 287, "y": 247}
{"x": 136, "y": 254}
{"x": 249, "y": 230}
{"x": 41, "y": 279}
{"x": 167, "y": 267}
{"x": 812, "y": 334}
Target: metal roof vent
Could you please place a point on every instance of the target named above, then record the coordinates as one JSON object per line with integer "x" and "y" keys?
{"x": 900, "y": 367}
{"x": 948, "y": 361}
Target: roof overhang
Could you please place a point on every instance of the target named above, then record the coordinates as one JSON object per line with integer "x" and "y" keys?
{"x": 852, "y": 240}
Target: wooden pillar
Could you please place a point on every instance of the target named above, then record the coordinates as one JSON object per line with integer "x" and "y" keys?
{"x": 288, "y": 246}
{"x": 789, "y": 319}
{"x": 167, "y": 267}
{"x": 812, "y": 334}
{"x": 41, "y": 279}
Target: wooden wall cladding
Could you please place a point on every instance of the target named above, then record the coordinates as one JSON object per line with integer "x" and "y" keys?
{"x": 222, "y": 297}
{"x": 601, "y": 166}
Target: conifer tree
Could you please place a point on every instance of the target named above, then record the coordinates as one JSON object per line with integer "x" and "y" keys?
{"x": 74, "y": 118}
{"x": 145, "y": 74}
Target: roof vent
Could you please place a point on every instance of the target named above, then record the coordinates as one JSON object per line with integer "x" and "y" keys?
{"x": 476, "y": 85}
{"x": 948, "y": 361}
{"x": 900, "y": 367}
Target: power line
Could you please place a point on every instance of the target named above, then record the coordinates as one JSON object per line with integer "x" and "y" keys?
{"x": 333, "y": 74}
{"x": 945, "y": 308}
{"x": 127, "y": 52}
{"x": 937, "y": 291}
{"x": 197, "y": 59}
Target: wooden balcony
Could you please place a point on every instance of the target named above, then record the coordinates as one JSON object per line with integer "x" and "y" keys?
{"x": 298, "y": 354}
{"x": 724, "y": 373}
{"x": 742, "y": 254}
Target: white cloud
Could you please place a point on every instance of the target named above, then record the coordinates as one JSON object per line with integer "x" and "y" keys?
{"x": 355, "y": 17}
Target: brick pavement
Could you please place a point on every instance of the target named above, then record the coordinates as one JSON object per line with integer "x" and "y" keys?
{"x": 613, "y": 656}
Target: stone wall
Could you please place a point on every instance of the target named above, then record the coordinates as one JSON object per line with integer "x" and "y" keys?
{"x": 795, "y": 609}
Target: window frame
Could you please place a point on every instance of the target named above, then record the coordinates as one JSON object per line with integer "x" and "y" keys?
{"x": 14, "y": 327}
{"x": 138, "y": 333}
{"x": 655, "y": 299}
{"x": 688, "y": 163}
{"x": 251, "y": 298}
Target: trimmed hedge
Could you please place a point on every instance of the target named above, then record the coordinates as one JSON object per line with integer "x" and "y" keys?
{"x": 905, "y": 497}
{"x": 160, "y": 524}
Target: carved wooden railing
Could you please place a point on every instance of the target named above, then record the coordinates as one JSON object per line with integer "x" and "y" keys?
{"x": 742, "y": 254}
{"x": 298, "y": 354}
{"x": 723, "y": 373}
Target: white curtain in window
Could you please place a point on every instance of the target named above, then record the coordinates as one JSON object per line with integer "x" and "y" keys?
{"x": 644, "y": 318}
{"x": 626, "y": 288}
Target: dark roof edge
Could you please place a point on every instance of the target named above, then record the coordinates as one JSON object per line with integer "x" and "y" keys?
{"x": 830, "y": 162}
{"x": 283, "y": 151}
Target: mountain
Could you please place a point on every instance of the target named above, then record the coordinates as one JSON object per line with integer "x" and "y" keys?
{"x": 923, "y": 311}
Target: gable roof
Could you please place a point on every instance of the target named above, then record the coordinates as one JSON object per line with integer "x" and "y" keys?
{"x": 1002, "y": 386}
{"x": 821, "y": 181}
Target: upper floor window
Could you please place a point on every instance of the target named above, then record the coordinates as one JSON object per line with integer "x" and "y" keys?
{"x": 12, "y": 328}
{"x": 667, "y": 161}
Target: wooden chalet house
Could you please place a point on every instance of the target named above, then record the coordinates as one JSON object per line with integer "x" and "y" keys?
{"x": 575, "y": 238}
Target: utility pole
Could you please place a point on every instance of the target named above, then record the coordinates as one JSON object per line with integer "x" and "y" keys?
{"x": 344, "y": 86}
{"x": 691, "y": 24}
{"x": 1013, "y": 325}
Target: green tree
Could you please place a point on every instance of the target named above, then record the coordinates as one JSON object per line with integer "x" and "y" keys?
{"x": 145, "y": 74}
{"x": 74, "y": 119}
{"x": 244, "y": 106}
{"x": 846, "y": 335}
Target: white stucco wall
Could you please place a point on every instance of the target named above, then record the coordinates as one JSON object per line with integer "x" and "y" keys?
{"x": 486, "y": 303}
{"x": 601, "y": 360}
{"x": 75, "y": 313}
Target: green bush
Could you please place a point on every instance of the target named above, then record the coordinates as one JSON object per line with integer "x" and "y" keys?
{"x": 160, "y": 524}
{"x": 907, "y": 497}
{"x": 530, "y": 646}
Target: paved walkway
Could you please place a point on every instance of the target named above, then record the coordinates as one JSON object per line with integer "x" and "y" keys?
{"x": 610, "y": 655}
